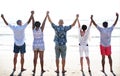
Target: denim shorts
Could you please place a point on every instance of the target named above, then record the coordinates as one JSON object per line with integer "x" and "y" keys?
{"x": 60, "y": 50}
{"x": 20, "y": 49}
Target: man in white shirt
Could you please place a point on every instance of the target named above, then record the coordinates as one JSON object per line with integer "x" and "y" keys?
{"x": 19, "y": 42}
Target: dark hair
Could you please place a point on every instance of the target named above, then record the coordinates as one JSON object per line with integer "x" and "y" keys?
{"x": 105, "y": 24}
{"x": 37, "y": 24}
{"x": 18, "y": 21}
{"x": 84, "y": 27}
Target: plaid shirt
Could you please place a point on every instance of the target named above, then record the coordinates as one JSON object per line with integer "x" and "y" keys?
{"x": 60, "y": 34}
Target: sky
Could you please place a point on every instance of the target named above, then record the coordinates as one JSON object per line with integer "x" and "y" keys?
{"x": 59, "y": 9}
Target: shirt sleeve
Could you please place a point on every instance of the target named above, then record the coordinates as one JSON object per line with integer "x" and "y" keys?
{"x": 53, "y": 25}
{"x": 99, "y": 28}
{"x": 88, "y": 30}
{"x": 111, "y": 28}
{"x": 25, "y": 25}
{"x": 11, "y": 26}
{"x": 68, "y": 27}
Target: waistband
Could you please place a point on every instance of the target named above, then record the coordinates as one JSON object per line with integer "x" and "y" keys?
{"x": 85, "y": 45}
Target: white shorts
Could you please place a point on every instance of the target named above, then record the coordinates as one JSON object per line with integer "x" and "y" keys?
{"x": 83, "y": 49}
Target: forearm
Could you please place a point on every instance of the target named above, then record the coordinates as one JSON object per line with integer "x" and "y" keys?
{"x": 5, "y": 21}
{"x": 43, "y": 24}
{"x": 116, "y": 21}
{"x": 29, "y": 19}
{"x": 49, "y": 19}
{"x": 74, "y": 22}
{"x": 78, "y": 23}
{"x": 33, "y": 21}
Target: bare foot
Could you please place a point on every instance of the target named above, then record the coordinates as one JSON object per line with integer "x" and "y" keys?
{"x": 111, "y": 71}
{"x": 57, "y": 71}
{"x": 103, "y": 71}
{"x": 23, "y": 70}
{"x": 43, "y": 71}
{"x": 14, "y": 69}
{"x": 33, "y": 71}
{"x": 89, "y": 70}
{"x": 81, "y": 70}
{"x": 64, "y": 71}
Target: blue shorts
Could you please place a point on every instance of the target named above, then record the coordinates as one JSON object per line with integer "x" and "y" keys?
{"x": 20, "y": 49}
{"x": 60, "y": 50}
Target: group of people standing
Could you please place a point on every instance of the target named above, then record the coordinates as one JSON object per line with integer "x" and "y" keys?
{"x": 60, "y": 40}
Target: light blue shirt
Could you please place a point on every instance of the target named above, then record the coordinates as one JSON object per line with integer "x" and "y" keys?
{"x": 105, "y": 35}
{"x": 19, "y": 35}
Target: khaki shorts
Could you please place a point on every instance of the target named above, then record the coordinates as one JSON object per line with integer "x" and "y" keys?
{"x": 60, "y": 50}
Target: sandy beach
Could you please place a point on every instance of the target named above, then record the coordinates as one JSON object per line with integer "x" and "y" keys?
{"x": 72, "y": 59}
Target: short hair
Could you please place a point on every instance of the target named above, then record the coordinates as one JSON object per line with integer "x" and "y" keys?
{"x": 18, "y": 21}
{"x": 37, "y": 24}
{"x": 84, "y": 27}
{"x": 105, "y": 24}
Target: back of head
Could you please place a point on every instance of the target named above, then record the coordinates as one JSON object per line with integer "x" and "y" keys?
{"x": 61, "y": 22}
{"x": 84, "y": 27}
{"x": 19, "y": 22}
{"x": 37, "y": 24}
{"x": 105, "y": 24}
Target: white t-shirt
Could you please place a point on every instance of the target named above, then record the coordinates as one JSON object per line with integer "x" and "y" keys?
{"x": 19, "y": 35}
{"x": 84, "y": 39}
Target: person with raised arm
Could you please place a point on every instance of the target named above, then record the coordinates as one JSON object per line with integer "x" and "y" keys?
{"x": 19, "y": 40}
{"x": 60, "y": 40}
{"x": 105, "y": 41}
{"x": 83, "y": 44}
{"x": 38, "y": 43}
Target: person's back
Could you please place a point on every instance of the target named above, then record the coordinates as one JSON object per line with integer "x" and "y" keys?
{"x": 19, "y": 34}
{"x": 38, "y": 34}
{"x": 84, "y": 37}
{"x": 60, "y": 34}
{"x": 105, "y": 35}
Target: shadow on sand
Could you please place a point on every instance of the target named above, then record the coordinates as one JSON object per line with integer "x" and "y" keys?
{"x": 83, "y": 74}
{"x": 63, "y": 74}
{"x": 12, "y": 74}
{"x": 113, "y": 73}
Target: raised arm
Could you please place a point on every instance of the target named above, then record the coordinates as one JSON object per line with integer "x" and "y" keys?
{"x": 117, "y": 16}
{"x": 4, "y": 19}
{"x": 93, "y": 20}
{"x": 32, "y": 12}
{"x": 49, "y": 19}
{"x": 73, "y": 24}
{"x": 43, "y": 24}
{"x": 78, "y": 23}
{"x": 33, "y": 21}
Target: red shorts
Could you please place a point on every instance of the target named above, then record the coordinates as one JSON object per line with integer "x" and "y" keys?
{"x": 105, "y": 50}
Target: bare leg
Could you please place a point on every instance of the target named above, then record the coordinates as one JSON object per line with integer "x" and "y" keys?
{"x": 22, "y": 62}
{"x": 63, "y": 65}
{"x": 35, "y": 60}
{"x": 15, "y": 61}
{"x": 57, "y": 65}
{"x": 110, "y": 62}
{"x": 88, "y": 62}
{"x": 103, "y": 63}
{"x": 41, "y": 55}
{"x": 81, "y": 62}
